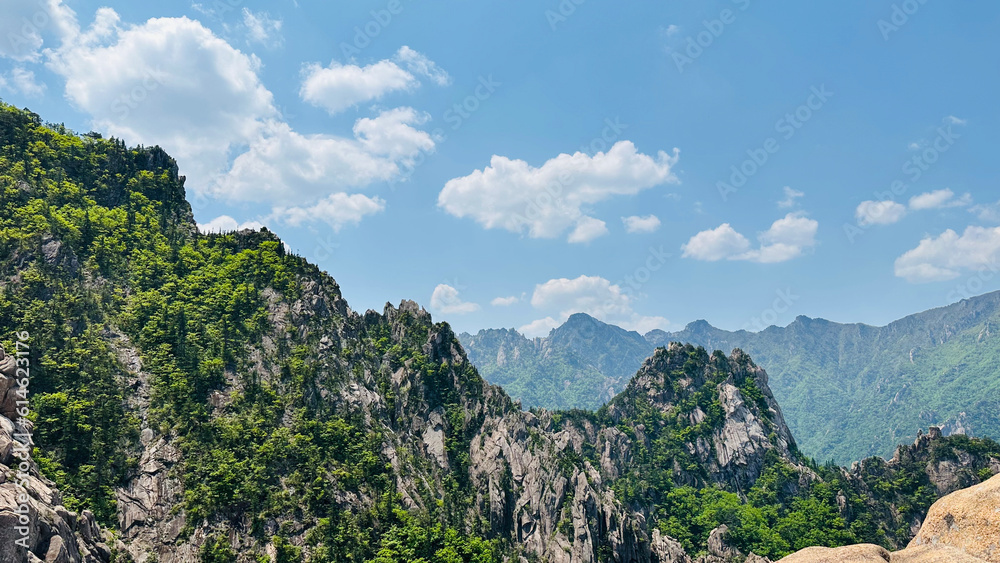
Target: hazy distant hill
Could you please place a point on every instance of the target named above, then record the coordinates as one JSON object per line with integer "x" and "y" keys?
{"x": 581, "y": 364}
{"x": 848, "y": 390}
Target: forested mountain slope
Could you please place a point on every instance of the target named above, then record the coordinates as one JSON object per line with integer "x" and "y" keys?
{"x": 214, "y": 398}
{"x": 849, "y": 391}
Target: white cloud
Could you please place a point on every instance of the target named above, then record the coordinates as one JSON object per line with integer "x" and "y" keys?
{"x": 169, "y": 82}
{"x": 262, "y": 29}
{"x": 446, "y": 300}
{"x": 637, "y": 224}
{"x": 948, "y": 255}
{"x": 593, "y": 295}
{"x": 790, "y": 197}
{"x": 505, "y": 301}
{"x": 337, "y": 210}
{"x": 989, "y": 212}
{"x": 419, "y": 64}
{"x": 340, "y": 86}
{"x": 22, "y": 81}
{"x": 716, "y": 244}
{"x": 938, "y": 199}
{"x": 226, "y": 224}
{"x": 548, "y": 200}
{"x": 539, "y": 328}
{"x": 26, "y": 25}
{"x": 879, "y": 213}
{"x": 955, "y": 120}
{"x": 282, "y": 165}
{"x": 787, "y": 238}
{"x": 588, "y": 229}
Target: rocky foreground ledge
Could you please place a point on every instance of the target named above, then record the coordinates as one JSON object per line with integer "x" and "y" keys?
{"x": 963, "y": 527}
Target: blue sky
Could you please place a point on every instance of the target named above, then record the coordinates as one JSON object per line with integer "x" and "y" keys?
{"x": 507, "y": 164}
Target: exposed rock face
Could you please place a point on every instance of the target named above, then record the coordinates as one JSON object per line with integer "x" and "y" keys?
{"x": 733, "y": 455}
{"x": 934, "y": 554}
{"x": 864, "y": 553}
{"x": 34, "y": 526}
{"x": 968, "y": 520}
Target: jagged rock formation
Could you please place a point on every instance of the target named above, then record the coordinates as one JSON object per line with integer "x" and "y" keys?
{"x": 34, "y": 526}
{"x": 849, "y": 391}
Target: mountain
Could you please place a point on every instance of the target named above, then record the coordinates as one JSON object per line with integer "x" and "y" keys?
{"x": 852, "y": 390}
{"x": 584, "y": 362}
{"x": 210, "y": 397}
{"x": 849, "y": 390}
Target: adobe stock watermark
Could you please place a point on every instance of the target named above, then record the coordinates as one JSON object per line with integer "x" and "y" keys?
{"x": 564, "y": 10}
{"x": 124, "y": 104}
{"x": 365, "y": 34}
{"x": 695, "y": 45}
{"x": 976, "y": 283}
{"x": 456, "y": 116}
{"x": 914, "y": 169}
{"x": 18, "y": 365}
{"x": 30, "y": 28}
{"x": 787, "y": 127}
{"x": 899, "y": 17}
{"x": 783, "y": 301}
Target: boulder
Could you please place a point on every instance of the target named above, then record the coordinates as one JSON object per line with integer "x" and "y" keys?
{"x": 863, "y": 553}
{"x": 968, "y": 520}
{"x": 934, "y": 554}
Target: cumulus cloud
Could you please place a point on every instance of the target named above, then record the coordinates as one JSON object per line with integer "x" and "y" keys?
{"x": 505, "y": 301}
{"x": 587, "y": 229}
{"x": 170, "y": 82}
{"x": 336, "y": 210}
{"x": 282, "y": 164}
{"x": 547, "y": 201}
{"x": 879, "y": 213}
{"x": 226, "y": 224}
{"x": 716, "y": 244}
{"x": 540, "y": 327}
{"x": 790, "y": 197}
{"x": 787, "y": 238}
{"x": 939, "y": 199}
{"x": 955, "y": 120}
{"x": 446, "y": 300}
{"x": 637, "y": 224}
{"x": 946, "y": 256}
{"x": 593, "y": 295}
{"x": 338, "y": 87}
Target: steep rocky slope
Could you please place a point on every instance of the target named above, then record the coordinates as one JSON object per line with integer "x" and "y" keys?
{"x": 849, "y": 390}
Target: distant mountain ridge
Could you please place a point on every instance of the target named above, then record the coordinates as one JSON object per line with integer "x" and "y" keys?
{"x": 848, "y": 390}
{"x": 586, "y": 361}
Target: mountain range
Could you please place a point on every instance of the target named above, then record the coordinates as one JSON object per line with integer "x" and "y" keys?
{"x": 849, "y": 391}
{"x": 213, "y": 398}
